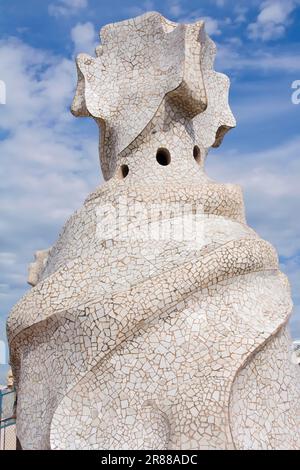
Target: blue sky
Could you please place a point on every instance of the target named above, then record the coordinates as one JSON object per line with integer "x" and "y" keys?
{"x": 49, "y": 159}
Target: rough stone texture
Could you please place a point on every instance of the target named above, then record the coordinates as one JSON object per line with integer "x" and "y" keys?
{"x": 35, "y": 269}
{"x": 158, "y": 319}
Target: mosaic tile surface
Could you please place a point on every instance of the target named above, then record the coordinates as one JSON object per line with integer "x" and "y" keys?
{"x": 158, "y": 320}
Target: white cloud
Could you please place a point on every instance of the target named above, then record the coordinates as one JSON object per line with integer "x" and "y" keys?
{"x": 273, "y": 19}
{"x": 220, "y": 3}
{"x": 231, "y": 57}
{"x": 67, "y": 7}
{"x": 84, "y": 38}
{"x": 241, "y": 13}
{"x": 212, "y": 26}
{"x": 31, "y": 78}
{"x": 49, "y": 159}
{"x": 175, "y": 8}
{"x": 147, "y": 5}
{"x": 270, "y": 180}
{"x": 7, "y": 259}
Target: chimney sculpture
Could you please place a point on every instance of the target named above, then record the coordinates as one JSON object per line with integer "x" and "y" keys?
{"x": 159, "y": 318}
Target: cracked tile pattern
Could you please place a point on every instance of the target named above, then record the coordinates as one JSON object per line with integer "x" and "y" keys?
{"x": 158, "y": 320}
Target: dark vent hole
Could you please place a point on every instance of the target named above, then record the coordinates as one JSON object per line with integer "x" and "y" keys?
{"x": 124, "y": 170}
{"x": 197, "y": 154}
{"x": 163, "y": 157}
